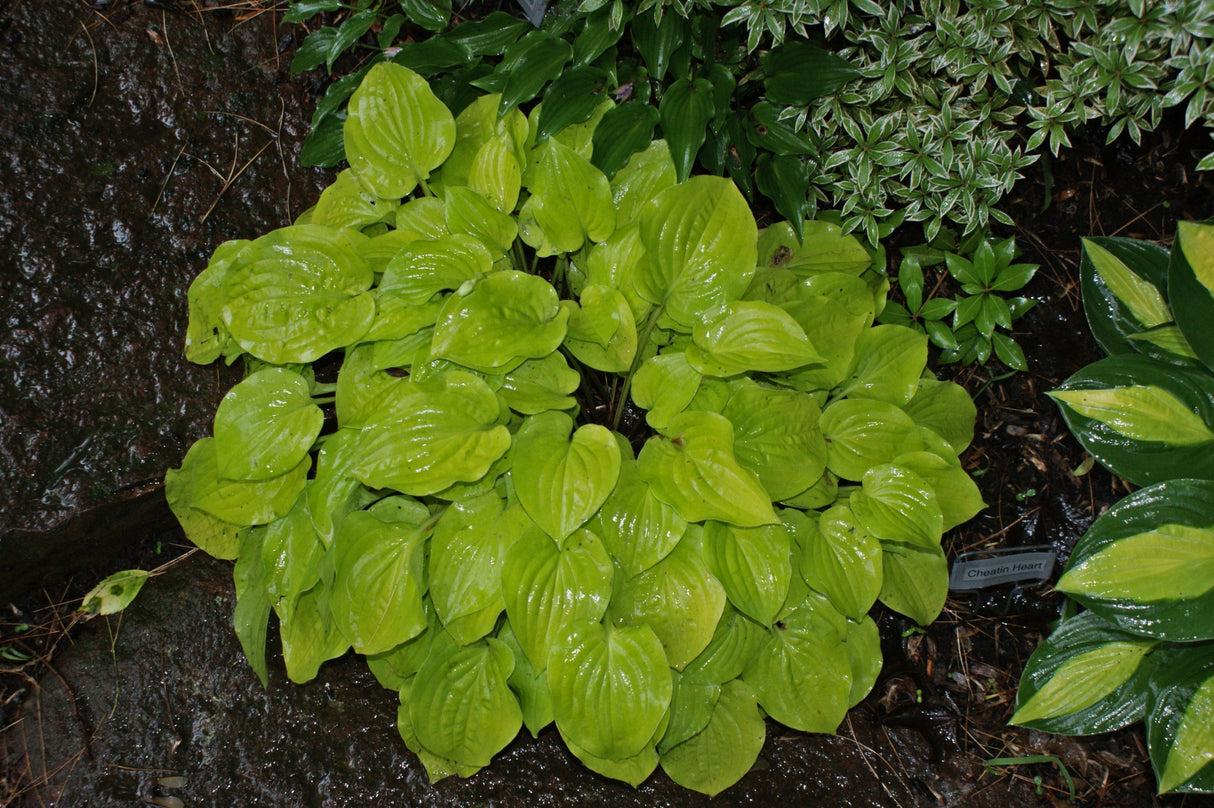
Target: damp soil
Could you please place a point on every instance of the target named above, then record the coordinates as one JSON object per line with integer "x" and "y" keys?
{"x": 106, "y": 194}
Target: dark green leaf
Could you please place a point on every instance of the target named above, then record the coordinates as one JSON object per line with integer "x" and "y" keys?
{"x": 767, "y": 131}
{"x": 1009, "y": 352}
{"x": 540, "y": 63}
{"x": 350, "y": 32}
{"x": 1110, "y": 320}
{"x": 785, "y": 181}
{"x": 432, "y": 55}
{"x": 325, "y": 145}
{"x": 685, "y": 110}
{"x": 799, "y": 71}
{"x": 389, "y": 30}
{"x": 433, "y": 15}
{"x": 314, "y": 50}
{"x": 490, "y": 36}
{"x": 571, "y": 98}
{"x": 304, "y": 10}
{"x": 595, "y": 38}
{"x": 657, "y": 41}
{"x": 622, "y": 131}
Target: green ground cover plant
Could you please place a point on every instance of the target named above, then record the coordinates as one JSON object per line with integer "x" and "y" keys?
{"x": 921, "y": 111}
{"x": 551, "y": 447}
{"x": 965, "y": 328}
{"x": 1143, "y": 649}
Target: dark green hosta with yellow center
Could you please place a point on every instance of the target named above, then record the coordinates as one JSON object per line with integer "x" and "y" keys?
{"x": 583, "y": 449}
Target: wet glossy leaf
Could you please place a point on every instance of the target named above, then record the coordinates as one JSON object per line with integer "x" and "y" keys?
{"x": 678, "y": 598}
{"x": 346, "y": 203}
{"x": 214, "y": 536}
{"x": 784, "y": 180}
{"x": 1145, "y": 420}
{"x": 265, "y": 425}
{"x": 637, "y": 528}
{"x": 570, "y": 202}
{"x": 539, "y": 59}
{"x": 424, "y": 268}
{"x": 748, "y": 335}
{"x": 889, "y": 362}
{"x": 547, "y": 588}
{"x": 686, "y": 108}
{"x": 862, "y": 433}
{"x": 1146, "y": 563}
{"x": 945, "y": 408}
{"x": 610, "y": 688}
{"x": 752, "y": 564}
{"x": 495, "y": 322}
{"x": 206, "y": 336}
{"x": 1180, "y": 734}
{"x": 603, "y": 309}
{"x": 298, "y": 293}
{"x": 841, "y": 560}
{"x": 541, "y": 384}
{"x": 626, "y": 129}
{"x": 1191, "y": 286}
{"x": 694, "y": 469}
{"x": 469, "y": 212}
{"x": 644, "y": 175}
{"x": 460, "y": 705}
{"x": 561, "y": 480}
{"x": 700, "y": 239}
{"x": 718, "y": 756}
{"x": 806, "y": 652}
{"x": 379, "y": 580}
{"x": 444, "y": 433}
{"x": 308, "y": 636}
{"x": 571, "y": 98}
{"x": 397, "y": 131}
{"x": 797, "y": 72}
{"x": 239, "y": 502}
{"x": 895, "y": 504}
{"x": 914, "y": 580}
{"x": 776, "y": 435}
{"x": 115, "y": 592}
{"x": 956, "y": 493}
{"x": 1086, "y": 677}
{"x": 663, "y": 386}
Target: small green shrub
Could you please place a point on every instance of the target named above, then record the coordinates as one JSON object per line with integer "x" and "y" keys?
{"x": 598, "y": 452}
{"x": 1144, "y": 649}
{"x": 985, "y": 278}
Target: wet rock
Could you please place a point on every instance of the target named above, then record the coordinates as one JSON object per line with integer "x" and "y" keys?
{"x": 165, "y": 698}
{"x": 134, "y": 139}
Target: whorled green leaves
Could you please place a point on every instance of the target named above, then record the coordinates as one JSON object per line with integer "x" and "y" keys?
{"x": 445, "y": 455}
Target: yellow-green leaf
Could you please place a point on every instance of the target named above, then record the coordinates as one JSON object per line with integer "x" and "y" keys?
{"x": 1169, "y": 563}
{"x": 1142, "y": 412}
{"x": 1139, "y": 296}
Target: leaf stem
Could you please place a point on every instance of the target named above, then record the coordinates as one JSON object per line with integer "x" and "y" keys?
{"x": 642, "y": 343}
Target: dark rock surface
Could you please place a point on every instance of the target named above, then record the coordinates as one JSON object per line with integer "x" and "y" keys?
{"x": 165, "y": 693}
{"x": 134, "y": 138}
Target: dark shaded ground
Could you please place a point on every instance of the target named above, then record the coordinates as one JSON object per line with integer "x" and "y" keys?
{"x": 160, "y": 705}
{"x": 135, "y": 138}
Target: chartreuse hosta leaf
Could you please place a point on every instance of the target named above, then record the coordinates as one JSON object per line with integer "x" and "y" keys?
{"x": 678, "y": 598}
{"x": 1147, "y": 564}
{"x": 397, "y": 131}
{"x": 562, "y": 479}
{"x": 776, "y": 435}
{"x": 610, "y": 687}
{"x": 637, "y": 528}
{"x": 663, "y": 386}
{"x": 441, "y": 432}
{"x": 1146, "y": 420}
{"x": 602, "y": 332}
{"x": 719, "y": 754}
{"x": 309, "y": 638}
{"x": 1191, "y": 286}
{"x": 914, "y": 580}
{"x": 494, "y": 323}
{"x": 298, "y": 293}
{"x": 1180, "y": 719}
{"x": 693, "y": 468}
{"x": 346, "y": 203}
{"x": 956, "y": 494}
{"x": 645, "y": 174}
{"x": 748, "y": 335}
{"x": 889, "y": 360}
{"x": 206, "y": 337}
{"x": 699, "y": 237}
{"x": 460, "y": 706}
{"x": 265, "y": 425}
{"x": 824, "y": 247}
{"x": 945, "y": 408}
{"x": 895, "y": 504}
{"x": 238, "y": 502}
{"x": 547, "y": 588}
{"x": 753, "y": 566}
{"x": 528, "y": 683}
{"x": 379, "y": 580}
{"x": 469, "y": 212}
{"x": 1086, "y": 677}
{"x": 842, "y": 561}
{"x": 570, "y": 201}
{"x": 805, "y": 652}
{"x": 477, "y": 125}
{"x": 864, "y": 433}
{"x": 212, "y": 535}
{"x": 423, "y": 268}
{"x": 541, "y": 384}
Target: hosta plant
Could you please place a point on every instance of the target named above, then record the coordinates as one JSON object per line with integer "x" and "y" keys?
{"x": 549, "y": 448}
{"x": 1144, "y": 647}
